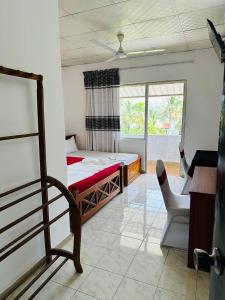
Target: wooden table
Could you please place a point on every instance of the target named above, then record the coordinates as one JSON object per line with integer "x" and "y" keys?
{"x": 203, "y": 158}
{"x": 202, "y": 194}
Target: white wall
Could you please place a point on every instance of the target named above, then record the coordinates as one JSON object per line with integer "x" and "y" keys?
{"x": 204, "y": 86}
{"x": 29, "y": 41}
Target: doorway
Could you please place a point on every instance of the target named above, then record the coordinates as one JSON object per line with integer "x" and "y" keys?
{"x": 152, "y": 114}
{"x": 165, "y": 125}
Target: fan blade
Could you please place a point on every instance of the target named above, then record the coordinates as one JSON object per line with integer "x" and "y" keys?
{"x": 103, "y": 46}
{"x": 141, "y": 52}
{"x": 111, "y": 59}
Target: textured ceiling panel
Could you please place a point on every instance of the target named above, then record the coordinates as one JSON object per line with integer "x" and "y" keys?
{"x": 77, "y": 6}
{"x": 197, "y": 19}
{"x": 155, "y": 42}
{"x": 84, "y": 52}
{"x": 71, "y": 62}
{"x": 196, "y": 35}
{"x": 70, "y": 26}
{"x": 143, "y": 10}
{"x": 199, "y": 45}
{"x": 181, "y": 6}
{"x": 105, "y": 17}
{"x": 159, "y": 27}
{"x": 125, "y": 13}
{"x": 173, "y": 25}
{"x": 78, "y": 41}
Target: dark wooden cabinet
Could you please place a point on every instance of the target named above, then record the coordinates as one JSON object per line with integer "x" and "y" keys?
{"x": 202, "y": 208}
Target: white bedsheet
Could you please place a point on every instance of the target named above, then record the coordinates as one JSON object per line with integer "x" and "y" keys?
{"x": 125, "y": 158}
{"x": 80, "y": 171}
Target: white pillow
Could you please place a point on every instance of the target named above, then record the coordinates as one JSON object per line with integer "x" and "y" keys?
{"x": 71, "y": 145}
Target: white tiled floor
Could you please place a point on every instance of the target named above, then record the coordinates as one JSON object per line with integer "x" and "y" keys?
{"x": 121, "y": 256}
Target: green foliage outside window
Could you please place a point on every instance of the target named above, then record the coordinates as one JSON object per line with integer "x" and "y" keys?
{"x": 165, "y": 116}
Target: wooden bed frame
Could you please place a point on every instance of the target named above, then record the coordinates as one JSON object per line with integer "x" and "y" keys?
{"x": 130, "y": 172}
{"x": 97, "y": 196}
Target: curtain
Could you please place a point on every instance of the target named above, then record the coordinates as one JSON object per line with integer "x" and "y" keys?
{"x": 102, "y": 110}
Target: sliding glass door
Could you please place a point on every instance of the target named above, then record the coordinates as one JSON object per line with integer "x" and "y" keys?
{"x": 165, "y": 125}
{"x": 154, "y": 112}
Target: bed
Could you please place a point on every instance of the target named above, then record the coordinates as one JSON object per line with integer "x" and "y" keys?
{"x": 93, "y": 183}
{"x": 131, "y": 162}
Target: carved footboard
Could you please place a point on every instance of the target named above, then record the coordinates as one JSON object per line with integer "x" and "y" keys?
{"x": 95, "y": 197}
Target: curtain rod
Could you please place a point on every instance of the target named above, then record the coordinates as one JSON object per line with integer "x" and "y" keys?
{"x": 158, "y": 65}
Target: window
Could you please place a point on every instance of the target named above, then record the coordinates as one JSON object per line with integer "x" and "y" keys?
{"x": 165, "y": 109}
{"x": 132, "y": 110}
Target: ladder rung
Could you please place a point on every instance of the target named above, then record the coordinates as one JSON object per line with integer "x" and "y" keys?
{"x": 18, "y": 136}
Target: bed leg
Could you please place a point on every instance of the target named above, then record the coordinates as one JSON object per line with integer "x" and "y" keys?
{"x": 121, "y": 179}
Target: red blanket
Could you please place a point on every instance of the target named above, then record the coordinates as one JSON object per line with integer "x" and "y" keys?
{"x": 86, "y": 183}
{"x": 72, "y": 160}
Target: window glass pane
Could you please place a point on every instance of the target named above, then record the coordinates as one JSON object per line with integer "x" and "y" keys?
{"x": 165, "y": 108}
{"x": 132, "y": 110}
{"x": 165, "y": 115}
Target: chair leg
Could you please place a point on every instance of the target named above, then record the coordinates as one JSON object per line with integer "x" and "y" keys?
{"x": 166, "y": 231}
{"x": 168, "y": 225}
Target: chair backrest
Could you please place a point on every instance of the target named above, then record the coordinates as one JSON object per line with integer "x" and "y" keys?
{"x": 164, "y": 183}
{"x": 183, "y": 158}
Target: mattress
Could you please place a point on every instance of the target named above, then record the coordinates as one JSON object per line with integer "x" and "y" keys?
{"x": 81, "y": 174}
{"x": 124, "y": 158}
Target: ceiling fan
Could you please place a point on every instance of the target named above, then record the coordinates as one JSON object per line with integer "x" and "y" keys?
{"x": 121, "y": 53}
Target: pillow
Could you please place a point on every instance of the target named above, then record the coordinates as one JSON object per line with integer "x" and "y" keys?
{"x": 71, "y": 145}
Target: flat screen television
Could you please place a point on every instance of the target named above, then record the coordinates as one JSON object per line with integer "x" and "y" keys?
{"x": 219, "y": 47}
{"x": 217, "y": 42}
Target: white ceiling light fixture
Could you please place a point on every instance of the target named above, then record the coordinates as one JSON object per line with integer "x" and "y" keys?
{"x": 121, "y": 53}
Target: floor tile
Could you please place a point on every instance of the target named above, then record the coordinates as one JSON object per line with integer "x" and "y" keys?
{"x": 115, "y": 261}
{"x": 203, "y": 283}
{"x": 96, "y": 222}
{"x": 82, "y": 296}
{"x": 114, "y": 226}
{"x": 160, "y": 220}
{"x": 123, "y": 216}
{"x": 67, "y": 275}
{"x": 118, "y": 203}
{"x": 182, "y": 281}
{"x": 55, "y": 291}
{"x": 135, "y": 230}
{"x": 90, "y": 254}
{"x": 154, "y": 235}
{"x": 126, "y": 245}
{"x": 133, "y": 290}
{"x": 106, "y": 212}
{"x": 146, "y": 217}
{"x": 98, "y": 238}
{"x": 152, "y": 252}
{"x": 101, "y": 284}
{"x": 51, "y": 291}
{"x": 147, "y": 271}
{"x": 177, "y": 258}
{"x": 167, "y": 295}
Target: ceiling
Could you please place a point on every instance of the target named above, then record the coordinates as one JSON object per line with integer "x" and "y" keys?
{"x": 174, "y": 25}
